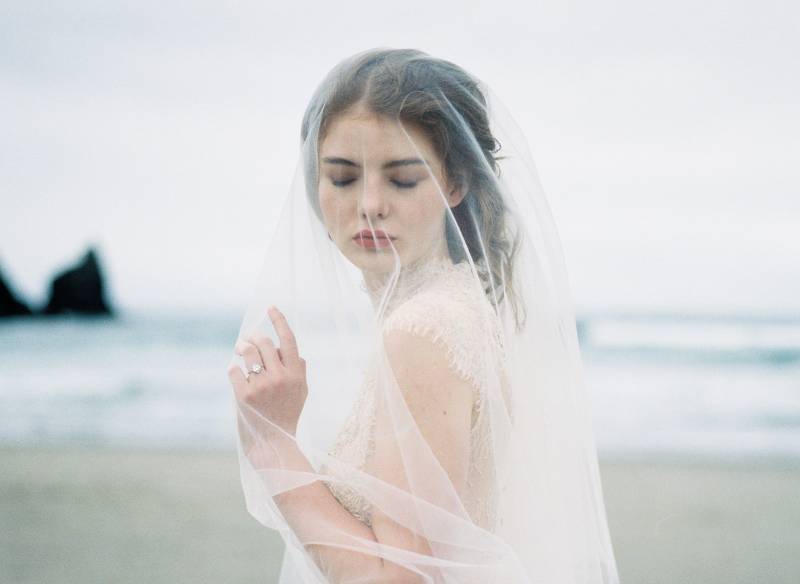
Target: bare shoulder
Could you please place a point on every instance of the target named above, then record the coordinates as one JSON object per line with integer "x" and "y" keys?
{"x": 454, "y": 325}
{"x": 423, "y": 369}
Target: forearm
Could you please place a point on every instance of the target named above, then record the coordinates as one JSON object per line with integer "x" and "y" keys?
{"x": 315, "y": 516}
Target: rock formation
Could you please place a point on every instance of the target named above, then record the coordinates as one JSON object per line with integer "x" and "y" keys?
{"x": 10, "y": 305}
{"x": 79, "y": 289}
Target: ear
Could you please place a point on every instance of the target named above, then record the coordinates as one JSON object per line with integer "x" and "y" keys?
{"x": 456, "y": 196}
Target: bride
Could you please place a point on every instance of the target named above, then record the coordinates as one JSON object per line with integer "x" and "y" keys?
{"x": 407, "y": 379}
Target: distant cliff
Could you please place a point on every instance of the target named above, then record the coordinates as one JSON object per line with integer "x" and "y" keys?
{"x": 10, "y": 305}
{"x": 79, "y": 289}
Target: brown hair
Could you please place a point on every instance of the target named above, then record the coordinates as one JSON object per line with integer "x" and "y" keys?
{"x": 442, "y": 99}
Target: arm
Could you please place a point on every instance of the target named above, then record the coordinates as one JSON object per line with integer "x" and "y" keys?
{"x": 432, "y": 465}
{"x": 314, "y": 514}
{"x": 440, "y": 404}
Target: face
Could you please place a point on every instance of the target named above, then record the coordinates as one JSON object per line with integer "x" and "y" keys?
{"x": 382, "y": 197}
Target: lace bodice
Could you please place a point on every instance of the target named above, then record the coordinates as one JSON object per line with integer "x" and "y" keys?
{"x": 443, "y": 302}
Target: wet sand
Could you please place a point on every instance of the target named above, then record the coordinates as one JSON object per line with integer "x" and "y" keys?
{"x": 97, "y": 515}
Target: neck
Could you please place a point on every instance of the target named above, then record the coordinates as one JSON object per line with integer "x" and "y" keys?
{"x": 376, "y": 280}
{"x": 411, "y": 276}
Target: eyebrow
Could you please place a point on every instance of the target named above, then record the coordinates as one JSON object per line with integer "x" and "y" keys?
{"x": 384, "y": 166}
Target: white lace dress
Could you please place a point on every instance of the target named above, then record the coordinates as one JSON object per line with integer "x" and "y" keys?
{"x": 439, "y": 300}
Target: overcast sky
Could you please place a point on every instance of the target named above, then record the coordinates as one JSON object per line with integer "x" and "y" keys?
{"x": 667, "y": 136}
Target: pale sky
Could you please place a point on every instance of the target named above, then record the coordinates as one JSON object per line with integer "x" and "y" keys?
{"x": 667, "y": 136}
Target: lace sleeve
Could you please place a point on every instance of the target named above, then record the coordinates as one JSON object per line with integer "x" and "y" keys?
{"x": 455, "y": 323}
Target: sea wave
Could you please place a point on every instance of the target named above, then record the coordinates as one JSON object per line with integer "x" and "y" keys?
{"x": 657, "y": 385}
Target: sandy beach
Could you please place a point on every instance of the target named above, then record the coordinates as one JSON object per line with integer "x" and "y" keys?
{"x": 87, "y": 516}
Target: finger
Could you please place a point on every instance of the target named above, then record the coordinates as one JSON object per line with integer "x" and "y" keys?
{"x": 237, "y": 379}
{"x": 262, "y": 342}
{"x": 267, "y": 350}
{"x": 285, "y": 334}
{"x": 249, "y": 353}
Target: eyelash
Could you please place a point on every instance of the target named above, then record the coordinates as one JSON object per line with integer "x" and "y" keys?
{"x": 398, "y": 184}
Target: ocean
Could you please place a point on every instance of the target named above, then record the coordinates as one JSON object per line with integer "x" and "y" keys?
{"x": 659, "y": 385}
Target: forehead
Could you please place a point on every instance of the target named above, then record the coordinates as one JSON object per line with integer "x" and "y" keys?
{"x": 369, "y": 136}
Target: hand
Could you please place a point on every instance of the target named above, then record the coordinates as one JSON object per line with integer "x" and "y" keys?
{"x": 273, "y": 399}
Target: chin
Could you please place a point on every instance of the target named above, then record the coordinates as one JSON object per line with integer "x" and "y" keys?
{"x": 372, "y": 260}
{"x": 380, "y": 262}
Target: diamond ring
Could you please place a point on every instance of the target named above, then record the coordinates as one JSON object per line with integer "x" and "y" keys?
{"x": 255, "y": 369}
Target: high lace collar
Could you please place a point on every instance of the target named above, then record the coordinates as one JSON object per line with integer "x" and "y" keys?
{"x": 411, "y": 279}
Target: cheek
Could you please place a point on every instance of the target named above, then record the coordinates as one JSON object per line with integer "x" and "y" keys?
{"x": 428, "y": 213}
{"x": 333, "y": 209}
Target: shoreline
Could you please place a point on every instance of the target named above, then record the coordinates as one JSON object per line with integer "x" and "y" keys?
{"x": 707, "y": 459}
{"x": 102, "y": 514}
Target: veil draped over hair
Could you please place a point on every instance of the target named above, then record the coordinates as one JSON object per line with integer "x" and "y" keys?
{"x": 415, "y": 409}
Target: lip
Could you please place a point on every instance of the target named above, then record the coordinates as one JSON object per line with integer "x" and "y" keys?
{"x": 373, "y": 239}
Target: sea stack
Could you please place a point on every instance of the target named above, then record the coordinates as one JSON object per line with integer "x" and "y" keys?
{"x": 10, "y": 305}
{"x": 79, "y": 289}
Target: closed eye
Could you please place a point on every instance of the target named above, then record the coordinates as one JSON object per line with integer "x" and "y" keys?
{"x": 404, "y": 185}
{"x": 398, "y": 183}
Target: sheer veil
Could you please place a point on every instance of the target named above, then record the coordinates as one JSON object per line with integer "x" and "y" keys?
{"x": 414, "y": 411}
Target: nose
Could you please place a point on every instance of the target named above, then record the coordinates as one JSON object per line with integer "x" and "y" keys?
{"x": 373, "y": 203}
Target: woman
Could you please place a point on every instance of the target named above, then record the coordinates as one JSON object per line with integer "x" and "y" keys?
{"x": 439, "y": 432}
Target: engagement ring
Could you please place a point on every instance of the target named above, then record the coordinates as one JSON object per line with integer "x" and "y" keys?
{"x": 256, "y": 369}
